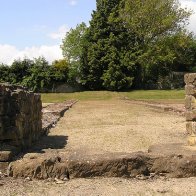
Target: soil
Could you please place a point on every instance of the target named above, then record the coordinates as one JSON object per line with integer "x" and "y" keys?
{"x": 118, "y": 126}
{"x": 96, "y": 127}
{"x": 101, "y": 186}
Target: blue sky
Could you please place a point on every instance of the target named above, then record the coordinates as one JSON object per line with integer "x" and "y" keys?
{"x": 26, "y": 23}
{"x": 35, "y": 28}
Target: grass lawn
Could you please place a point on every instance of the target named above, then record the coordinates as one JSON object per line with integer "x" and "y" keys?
{"x": 176, "y": 96}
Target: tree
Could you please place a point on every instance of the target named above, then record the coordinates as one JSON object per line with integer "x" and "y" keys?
{"x": 19, "y": 69}
{"x": 157, "y": 25}
{"x": 72, "y": 47}
{"x": 104, "y": 59}
{"x": 151, "y": 20}
{"x": 39, "y": 77}
{"x": 4, "y": 73}
{"x": 127, "y": 39}
{"x": 59, "y": 71}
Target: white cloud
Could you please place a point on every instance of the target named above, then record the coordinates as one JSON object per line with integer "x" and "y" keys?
{"x": 190, "y": 4}
{"x": 73, "y": 2}
{"x": 9, "y": 53}
{"x": 60, "y": 33}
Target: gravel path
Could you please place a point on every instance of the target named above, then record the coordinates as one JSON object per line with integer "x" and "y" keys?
{"x": 118, "y": 126}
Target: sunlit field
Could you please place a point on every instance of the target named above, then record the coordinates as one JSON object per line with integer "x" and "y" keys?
{"x": 173, "y": 96}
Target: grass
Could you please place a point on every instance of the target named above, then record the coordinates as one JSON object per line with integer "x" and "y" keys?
{"x": 82, "y": 96}
{"x": 176, "y": 96}
{"x": 167, "y": 96}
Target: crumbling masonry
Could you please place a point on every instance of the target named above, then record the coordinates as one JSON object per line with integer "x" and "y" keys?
{"x": 190, "y": 104}
{"x": 20, "y": 116}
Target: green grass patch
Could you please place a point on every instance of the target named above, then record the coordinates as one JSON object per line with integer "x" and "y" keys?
{"x": 82, "y": 96}
{"x": 155, "y": 94}
{"x": 176, "y": 96}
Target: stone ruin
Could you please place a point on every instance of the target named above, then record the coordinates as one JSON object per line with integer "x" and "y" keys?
{"x": 190, "y": 105}
{"x": 21, "y": 124}
{"x": 20, "y": 116}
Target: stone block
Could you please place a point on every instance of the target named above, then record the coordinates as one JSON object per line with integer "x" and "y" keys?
{"x": 190, "y": 102}
{"x": 191, "y": 127}
{"x": 191, "y": 115}
{"x": 4, "y": 166}
{"x": 19, "y": 110}
{"x": 190, "y": 90}
{"x": 190, "y": 78}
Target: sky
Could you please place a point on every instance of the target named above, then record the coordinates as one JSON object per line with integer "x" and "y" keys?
{"x": 33, "y": 28}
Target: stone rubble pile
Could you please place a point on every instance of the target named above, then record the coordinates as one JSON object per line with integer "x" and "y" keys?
{"x": 52, "y": 113}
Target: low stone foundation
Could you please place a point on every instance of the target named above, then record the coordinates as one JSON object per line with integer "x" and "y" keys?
{"x": 169, "y": 160}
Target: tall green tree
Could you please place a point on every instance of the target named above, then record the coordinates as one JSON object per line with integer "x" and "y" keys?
{"x": 127, "y": 38}
{"x": 105, "y": 62}
{"x": 72, "y": 47}
{"x": 158, "y": 26}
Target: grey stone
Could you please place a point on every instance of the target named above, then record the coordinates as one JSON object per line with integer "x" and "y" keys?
{"x": 190, "y": 78}
{"x": 20, "y": 110}
{"x": 190, "y": 115}
{"x": 191, "y": 127}
{"x": 190, "y": 90}
{"x": 190, "y": 102}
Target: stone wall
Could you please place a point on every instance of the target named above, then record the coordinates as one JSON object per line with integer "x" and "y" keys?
{"x": 190, "y": 103}
{"x": 20, "y": 116}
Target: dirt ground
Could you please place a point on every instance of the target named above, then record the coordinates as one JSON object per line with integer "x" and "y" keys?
{"x": 118, "y": 126}
{"x": 102, "y": 186}
{"x": 111, "y": 126}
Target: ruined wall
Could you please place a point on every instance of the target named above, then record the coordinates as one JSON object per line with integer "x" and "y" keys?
{"x": 190, "y": 102}
{"x": 20, "y": 116}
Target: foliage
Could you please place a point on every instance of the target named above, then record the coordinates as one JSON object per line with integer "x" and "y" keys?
{"x": 158, "y": 28}
{"x": 105, "y": 59}
{"x": 72, "y": 47}
{"x": 60, "y": 70}
{"x": 35, "y": 74}
{"x": 4, "y": 73}
{"x": 130, "y": 42}
{"x": 19, "y": 70}
{"x": 39, "y": 77}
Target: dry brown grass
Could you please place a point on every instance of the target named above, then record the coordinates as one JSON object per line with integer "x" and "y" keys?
{"x": 118, "y": 126}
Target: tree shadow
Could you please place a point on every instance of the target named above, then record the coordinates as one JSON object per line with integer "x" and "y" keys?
{"x": 49, "y": 142}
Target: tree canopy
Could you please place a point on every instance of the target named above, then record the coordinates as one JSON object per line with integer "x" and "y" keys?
{"x": 131, "y": 41}
{"x": 38, "y": 75}
{"x": 72, "y": 47}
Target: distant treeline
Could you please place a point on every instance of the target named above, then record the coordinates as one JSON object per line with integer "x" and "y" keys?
{"x": 38, "y": 75}
{"x": 129, "y": 44}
